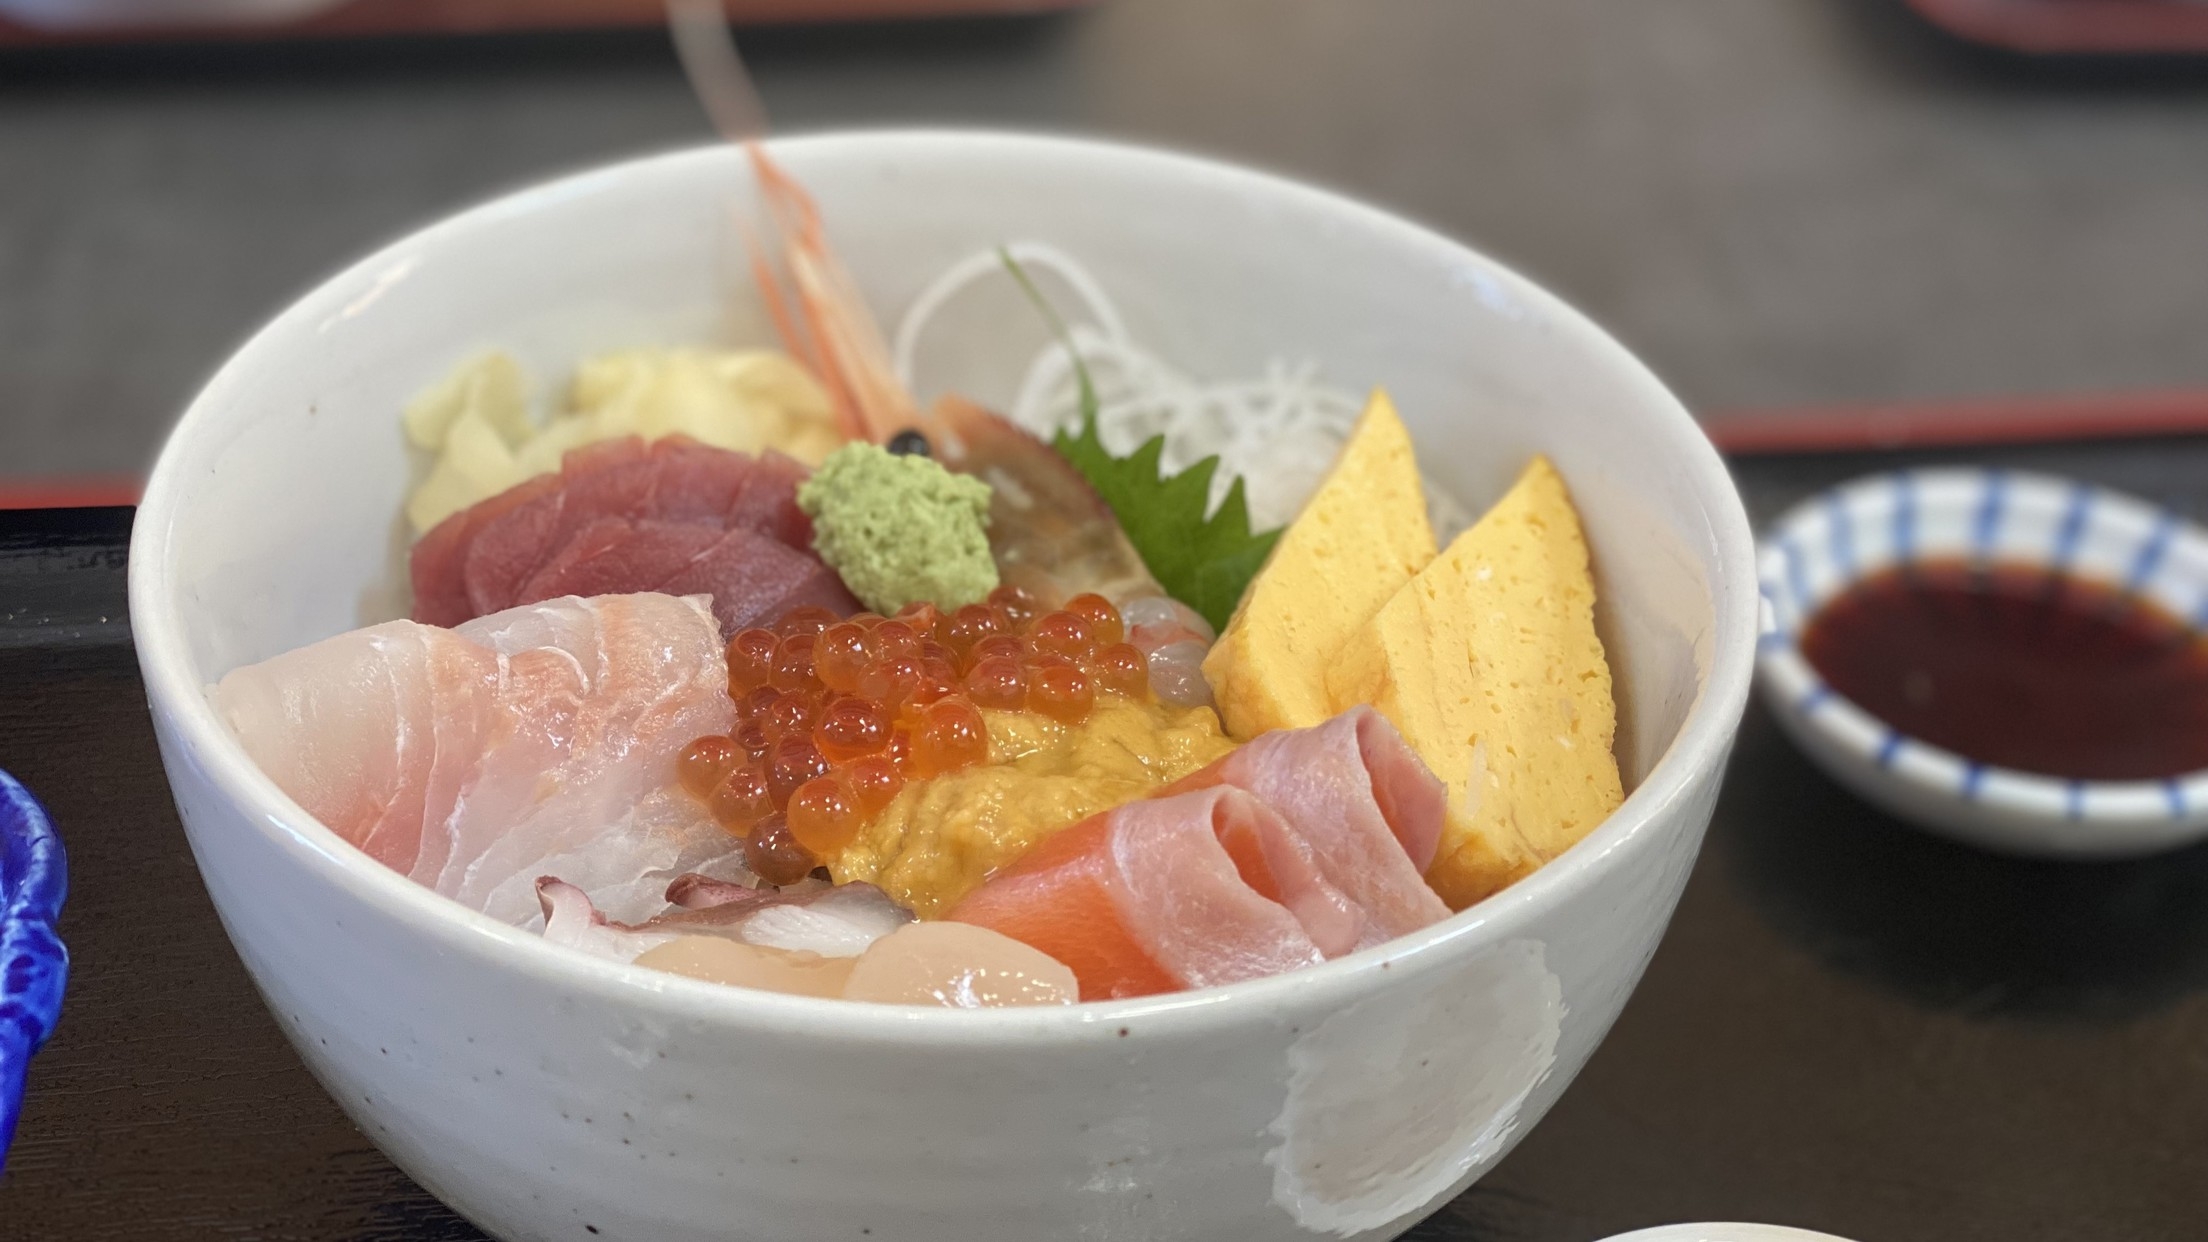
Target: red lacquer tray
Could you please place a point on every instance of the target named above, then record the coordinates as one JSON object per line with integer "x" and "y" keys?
{"x": 2074, "y": 27}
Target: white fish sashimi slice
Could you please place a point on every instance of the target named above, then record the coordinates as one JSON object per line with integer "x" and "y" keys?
{"x": 840, "y": 922}
{"x": 403, "y": 678}
{"x": 568, "y": 623}
{"x": 530, "y": 757}
{"x": 628, "y": 865}
{"x": 464, "y": 710}
{"x": 594, "y": 725}
{"x": 597, "y": 725}
{"x": 471, "y": 759}
{"x": 365, "y": 729}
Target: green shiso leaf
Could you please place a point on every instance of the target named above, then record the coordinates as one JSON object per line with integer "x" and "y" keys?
{"x": 1203, "y": 559}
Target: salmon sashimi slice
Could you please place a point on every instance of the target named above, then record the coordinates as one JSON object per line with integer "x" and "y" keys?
{"x": 541, "y": 739}
{"x": 1158, "y": 895}
{"x": 1363, "y": 799}
{"x": 1279, "y": 865}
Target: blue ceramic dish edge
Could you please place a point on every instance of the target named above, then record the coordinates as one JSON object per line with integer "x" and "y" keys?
{"x": 34, "y": 965}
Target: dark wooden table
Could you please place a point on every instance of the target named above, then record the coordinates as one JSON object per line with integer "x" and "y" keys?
{"x": 1850, "y": 1027}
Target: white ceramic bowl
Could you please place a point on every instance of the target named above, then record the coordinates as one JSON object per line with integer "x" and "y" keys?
{"x": 548, "y": 1095}
{"x": 1827, "y": 544}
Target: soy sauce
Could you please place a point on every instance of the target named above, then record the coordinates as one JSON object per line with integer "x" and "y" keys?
{"x": 2014, "y": 666}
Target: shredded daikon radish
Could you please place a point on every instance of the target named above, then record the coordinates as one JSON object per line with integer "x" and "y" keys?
{"x": 1278, "y": 433}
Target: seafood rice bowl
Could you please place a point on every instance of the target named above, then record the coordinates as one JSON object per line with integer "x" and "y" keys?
{"x": 913, "y": 685}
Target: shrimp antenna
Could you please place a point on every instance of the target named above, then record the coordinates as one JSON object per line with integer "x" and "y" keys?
{"x": 715, "y": 69}
{"x": 812, "y": 300}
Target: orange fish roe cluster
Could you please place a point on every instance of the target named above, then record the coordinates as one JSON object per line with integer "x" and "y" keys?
{"x": 835, "y": 715}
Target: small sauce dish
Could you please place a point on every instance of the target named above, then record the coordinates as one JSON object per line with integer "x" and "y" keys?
{"x": 2014, "y": 660}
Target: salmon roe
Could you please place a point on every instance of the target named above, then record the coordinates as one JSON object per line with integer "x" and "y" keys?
{"x": 774, "y": 853}
{"x": 1018, "y": 606}
{"x": 741, "y": 799}
{"x": 750, "y": 660}
{"x": 823, "y": 815}
{"x": 874, "y": 780}
{"x": 842, "y": 653}
{"x": 836, "y": 715}
{"x": 704, "y": 762}
{"x": 1103, "y": 619}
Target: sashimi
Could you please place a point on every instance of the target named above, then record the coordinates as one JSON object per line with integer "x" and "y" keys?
{"x": 834, "y": 922}
{"x": 371, "y": 731}
{"x": 473, "y": 760}
{"x": 611, "y": 551}
{"x": 850, "y": 942}
{"x": 1150, "y": 897}
{"x": 440, "y": 587}
{"x": 754, "y": 579}
{"x": 765, "y": 500}
{"x": 625, "y": 516}
{"x": 609, "y": 479}
{"x": 1369, "y": 808}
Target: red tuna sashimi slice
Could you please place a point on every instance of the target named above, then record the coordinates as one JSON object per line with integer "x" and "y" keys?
{"x": 438, "y": 565}
{"x": 610, "y": 479}
{"x": 550, "y": 734}
{"x": 767, "y": 502}
{"x": 699, "y": 483}
{"x": 693, "y": 482}
{"x": 579, "y": 532}
{"x": 1149, "y": 897}
{"x": 754, "y": 579}
{"x": 615, "y": 554}
{"x": 1367, "y": 804}
{"x": 673, "y": 480}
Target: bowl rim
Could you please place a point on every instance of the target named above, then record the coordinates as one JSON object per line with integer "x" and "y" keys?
{"x": 2011, "y": 807}
{"x": 1697, "y": 750}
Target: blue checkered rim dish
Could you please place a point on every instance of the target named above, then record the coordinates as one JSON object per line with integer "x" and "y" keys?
{"x": 1828, "y": 543}
{"x": 34, "y": 877}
